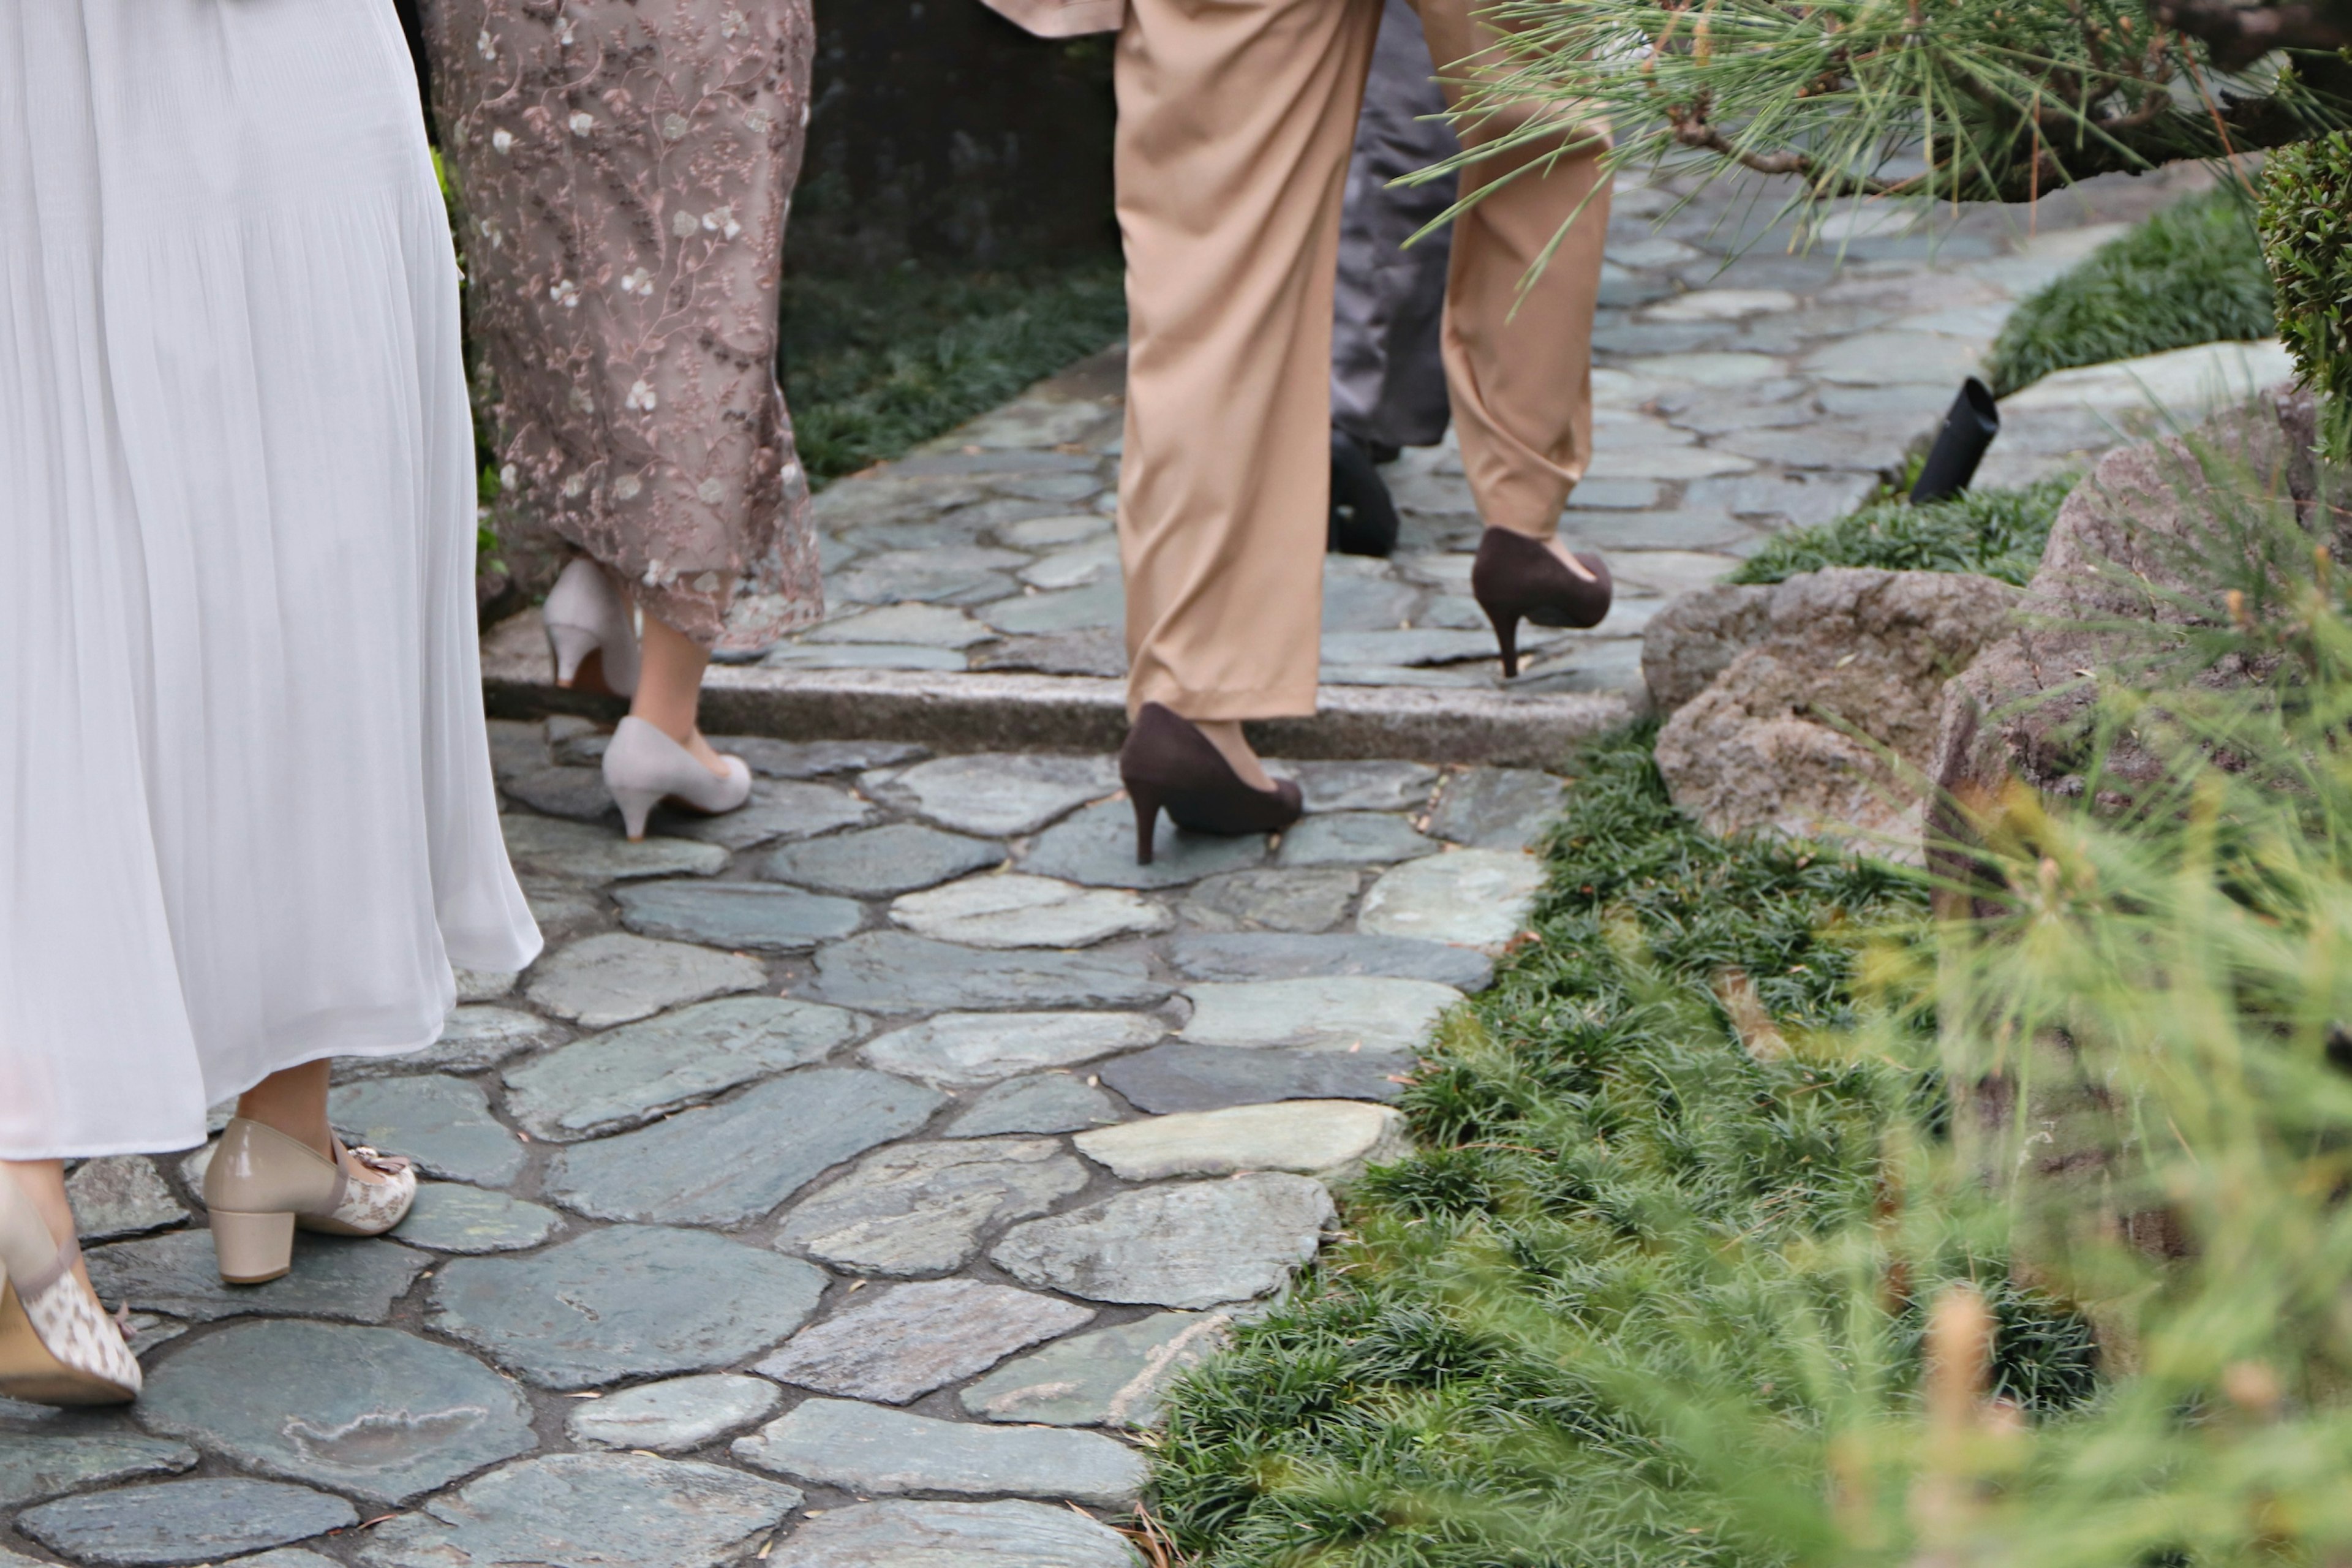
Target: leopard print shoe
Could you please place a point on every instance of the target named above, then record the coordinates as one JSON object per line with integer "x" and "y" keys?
{"x": 262, "y": 1183}
{"x": 57, "y": 1346}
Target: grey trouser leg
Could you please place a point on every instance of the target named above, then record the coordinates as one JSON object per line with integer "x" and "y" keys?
{"x": 1388, "y": 380}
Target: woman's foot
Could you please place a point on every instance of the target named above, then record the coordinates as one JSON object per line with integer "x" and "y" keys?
{"x": 58, "y": 1345}
{"x": 1517, "y": 578}
{"x": 1196, "y": 774}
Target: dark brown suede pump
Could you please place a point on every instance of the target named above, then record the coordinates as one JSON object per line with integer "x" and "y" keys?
{"x": 1517, "y": 578}
{"x": 1168, "y": 763}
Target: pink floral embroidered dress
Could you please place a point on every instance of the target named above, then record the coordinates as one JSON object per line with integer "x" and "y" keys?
{"x": 626, "y": 167}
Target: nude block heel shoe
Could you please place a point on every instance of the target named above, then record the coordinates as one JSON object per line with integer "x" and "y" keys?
{"x": 57, "y": 1346}
{"x": 587, "y": 620}
{"x": 262, "y": 1185}
{"x": 643, "y": 767}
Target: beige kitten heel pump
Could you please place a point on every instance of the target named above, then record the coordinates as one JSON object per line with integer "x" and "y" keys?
{"x": 590, "y": 629}
{"x": 262, "y": 1183}
{"x": 643, "y": 767}
{"x": 57, "y": 1346}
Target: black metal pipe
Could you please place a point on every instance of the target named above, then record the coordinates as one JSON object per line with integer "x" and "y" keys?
{"x": 1968, "y": 429}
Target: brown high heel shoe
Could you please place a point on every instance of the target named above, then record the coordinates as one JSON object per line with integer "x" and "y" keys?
{"x": 1167, "y": 762}
{"x": 1518, "y": 578}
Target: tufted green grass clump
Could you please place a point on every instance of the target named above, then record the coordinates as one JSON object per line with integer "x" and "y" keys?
{"x": 1997, "y": 532}
{"x": 2307, "y": 229}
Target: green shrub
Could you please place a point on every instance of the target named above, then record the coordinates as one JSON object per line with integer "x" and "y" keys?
{"x": 2192, "y": 274}
{"x": 2306, "y": 226}
{"x": 1997, "y": 532}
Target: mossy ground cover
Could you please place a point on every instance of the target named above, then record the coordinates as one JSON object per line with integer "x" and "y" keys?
{"x": 1602, "y": 1155}
{"x": 1997, "y": 532}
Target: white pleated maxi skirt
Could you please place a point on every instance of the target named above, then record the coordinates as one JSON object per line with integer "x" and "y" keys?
{"x": 246, "y": 817}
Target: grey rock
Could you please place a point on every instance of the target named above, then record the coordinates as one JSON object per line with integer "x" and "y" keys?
{"x": 1015, "y": 911}
{"x": 1373, "y": 1013}
{"x": 588, "y": 854}
{"x": 1191, "y": 1245}
{"x": 1351, "y": 839}
{"x": 121, "y": 1194}
{"x": 589, "y": 1511}
{"x": 1098, "y": 605}
{"x": 1362, "y": 786}
{"x": 1105, "y": 1377}
{"x": 284, "y": 1557}
{"x": 1803, "y": 499}
{"x": 1356, "y": 599}
{"x": 1181, "y": 1076}
{"x": 476, "y": 1037}
{"x": 863, "y": 1448}
{"x": 890, "y": 972}
{"x": 1041, "y": 1102}
{"x": 333, "y": 1277}
{"x": 377, "y": 1413}
{"x": 1008, "y": 1534}
{"x": 447, "y": 1218}
{"x": 1269, "y": 900}
{"x": 1045, "y": 532}
{"x": 1096, "y": 846}
{"x": 578, "y": 794}
{"x": 1496, "y": 808}
{"x": 881, "y": 861}
{"x": 756, "y": 915}
{"x": 1681, "y": 528}
{"x": 931, "y": 626}
{"x": 1076, "y": 566}
{"x": 1479, "y": 898}
{"x": 614, "y": 1303}
{"x": 673, "y": 1417}
{"x": 961, "y": 1051}
{"x": 917, "y": 1210}
{"x": 776, "y": 810}
{"x": 626, "y": 1077}
{"x": 899, "y": 1344}
{"x": 1098, "y": 651}
{"x": 1051, "y": 487}
{"x": 176, "y": 1522}
{"x": 515, "y": 745}
{"x": 443, "y": 1123}
{"x": 951, "y": 575}
{"x": 484, "y": 985}
{"x": 1269, "y": 957}
{"x": 1422, "y": 645}
{"x": 726, "y": 1164}
{"x": 1334, "y": 1140}
{"x": 35, "y": 1469}
{"x": 615, "y": 978}
{"x": 1695, "y": 639}
{"x": 997, "y": 795}
{"x": 562, "y": 909}
{"x": 813, "y": 759}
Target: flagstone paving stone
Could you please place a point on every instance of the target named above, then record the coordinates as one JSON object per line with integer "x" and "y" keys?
{"x": 1096, "y": 846}
{"x": 1270, "y": 901}
{"x": 333, "y": 1278}
{"x": 173, "y": 1522}
{"x": 1179, "y": 1075}
{"x": 674, "y": 1415}
{"x": 1193, "y": 1244}
{"x": 899, "y": 1344}
{"x": 1266, "y": 956}
{"x": 868, "y": 1449}
{"x": 893, "y": 972}
{"x": 34, "y": 1470}
{"x": 121, "y": 1194}
{"x": 1322, "y": 1012}
{"x": 592, "y": 853}
{"x": 776, "y": 810}
{"x": 897, "y": 859}
{"x": 958, "y": 1050}
{"x": 1476, "y": 896}
{"x": 995, "y": 797}
{"x": 614, "y": 978}
{"x": 443, "y": 1123}
{"x": 1012, "y": 1533}
{"x": 476, "y": 1037}
{"x": 1332, "y": 1139}
{"x": 450, "y": 1217}
{"x": 916, "y": 1209}
{"x": 1014, "y": 911}
{"x": 1104, "y": 1377}
{"x": 1039, "y": 1103}
{"x": 760, "y": 916}
{"x": 1353, "y": 838}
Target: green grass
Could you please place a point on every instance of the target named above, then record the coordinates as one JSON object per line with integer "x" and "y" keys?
{"x": 2192, "y": 274}
{"x": 1600, "y": 1157}
{"x": 1997, "y": 532}
{"x": 876, "y": 362}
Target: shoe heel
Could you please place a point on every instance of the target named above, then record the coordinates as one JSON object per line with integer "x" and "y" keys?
{"x": 253, "y": 1247}
{"x": 636, "y": 805}
{"x": 1506, "y": 637}
{"x": 1146, "y": 821}
{"x": 572, "y": 646}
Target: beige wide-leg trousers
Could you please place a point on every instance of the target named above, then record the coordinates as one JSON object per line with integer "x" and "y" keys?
{"x": 1234, "y": 122}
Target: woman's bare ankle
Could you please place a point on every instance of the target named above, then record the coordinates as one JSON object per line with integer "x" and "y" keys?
{"x": 1226, "y": 734}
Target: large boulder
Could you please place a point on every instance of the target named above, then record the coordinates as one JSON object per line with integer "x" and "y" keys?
{"x": 1820, "y": 711}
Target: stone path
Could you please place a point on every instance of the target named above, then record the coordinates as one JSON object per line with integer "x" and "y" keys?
{"x": 843, "y": 1184}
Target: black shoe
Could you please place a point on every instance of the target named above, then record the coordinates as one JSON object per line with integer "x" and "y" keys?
{"x": 1168, "y": 763}
{"x": 1363, "y": 518}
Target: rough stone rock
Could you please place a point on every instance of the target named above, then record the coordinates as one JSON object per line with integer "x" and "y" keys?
{"x": 35, "y": 1469}
{"x": 1008, "y": 1534}
{"x": 449, "y": 1217}
{"x": 900, "y": 1344}
{"x": 880, "y": 861}
{"x": 376, "y": 1413}
{"x": 675, "y": 1416}
{"x": 1330, "y": 1139}
{"x": 1006, "y": 911}
{"x": 961, "y": 1051}
{"x": 563, "y": 909}
{"x": 1695, "y": 639}
{"x": 474, "y": 1039}
{"x": 578, "y": 794}
{"x": 630, "y": 1075}
{"x": 891, "y": 971}
{"x": 284, "y": 1557}
{"x": 613, "y": 1304}
{"x": 863, "y": 1448}
{"x": 946, "y": 574}
{"x": 1279, "y": 957}
{"x": 599, "y": 854}
{"x": 1181, "y": 1077}
{"x": 443, "y": 1123}
{"x": 1105, "y": 1377}
{"x": 1041, "y": 1102}
{"x": 997, "y": 795}
{"x": 177, "y": 1274}
{"x": 1372, "y": 1012}
{"x": 775, "y": 810}
{"x": 1194, "y": 1244}
{"x": 589, "y": 1511}
{"x": 1362, "y": 786}
{"x": 121, "y": 1194}
{"x": 1478, "y": 898}
{"x": 917, "y": 1210}
{"x": 1098, "y": 605}
{"x": 1270, "y": 901}
{"x": 1094, "y": 650}
{"x": 757, "y": 915}
{"x": 1351, "y": 839}
{"x": 484, "y": 985}
{"x": 1496, "y": 808}
{"x": 813, "y": 759}
{"x": 1096, "y": 846}
{"x": 726, "y": 1164}
{"x": 1761, "y": 748}
{"x": 174, "y": 1522}
{"x": 932, "y": 625}
{"x": 615, "y": 978}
